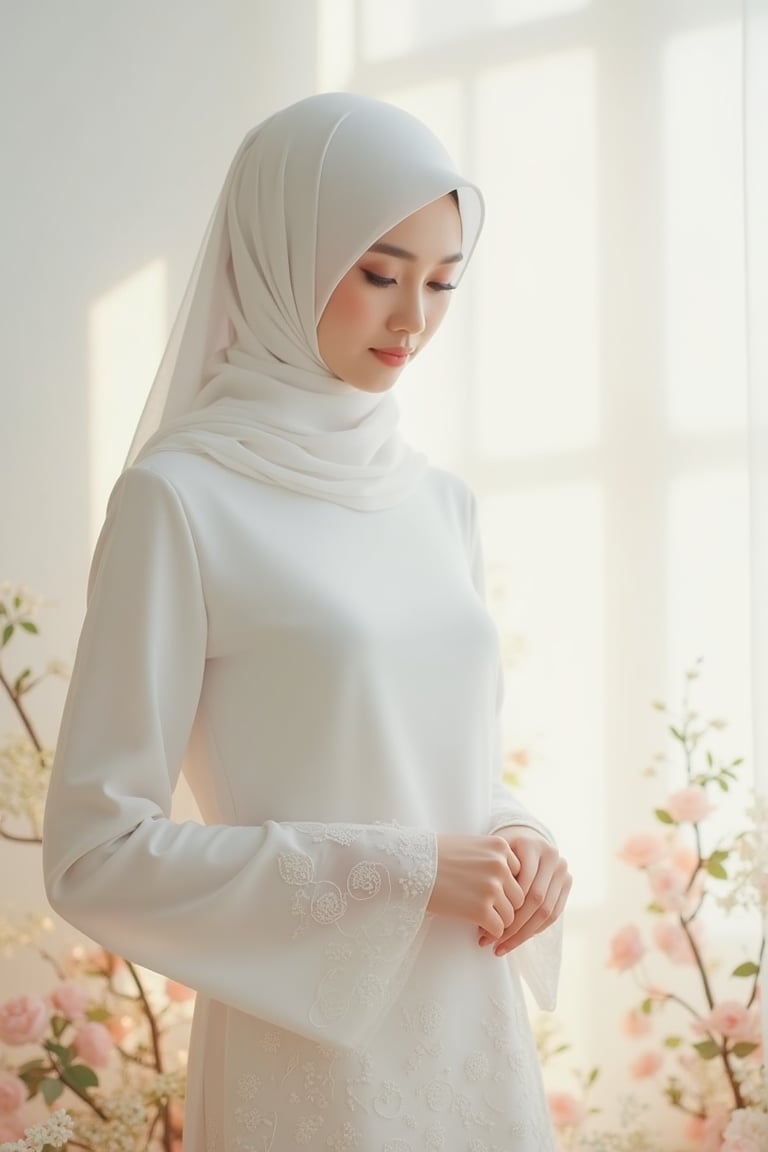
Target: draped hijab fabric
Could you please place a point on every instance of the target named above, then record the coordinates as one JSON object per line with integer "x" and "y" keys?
{"x": 242, "y": 380}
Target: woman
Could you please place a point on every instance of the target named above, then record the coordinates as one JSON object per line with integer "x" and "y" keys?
{"x": 288, "y": 599}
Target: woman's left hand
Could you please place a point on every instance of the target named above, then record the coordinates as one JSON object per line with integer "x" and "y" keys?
{"x": 545, "y": 881}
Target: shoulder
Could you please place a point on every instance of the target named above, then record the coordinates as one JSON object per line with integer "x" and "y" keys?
{"x": 454, "y": 497}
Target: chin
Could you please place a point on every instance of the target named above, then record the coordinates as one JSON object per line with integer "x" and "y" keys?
{"x": 373, "y": 385}
{"x": 375, "y": 381}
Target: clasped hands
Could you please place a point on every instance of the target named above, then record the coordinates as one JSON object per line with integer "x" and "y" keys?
{"x": 511, "y": 885}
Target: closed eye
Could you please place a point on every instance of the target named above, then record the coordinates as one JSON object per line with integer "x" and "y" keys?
{"x": 379, "y": 281}
{"x": 385, "y": 281}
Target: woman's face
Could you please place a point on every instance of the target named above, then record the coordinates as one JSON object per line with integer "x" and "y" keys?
{"x": 393, "y": 299}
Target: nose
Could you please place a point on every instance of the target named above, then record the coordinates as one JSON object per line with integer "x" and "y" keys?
{"x": 409, "y": 315}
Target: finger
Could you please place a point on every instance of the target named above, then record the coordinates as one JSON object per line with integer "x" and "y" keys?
{"x": 513, "y": 860}
{"x": 541, "y": 920}
{"x": 514, "y": 893}
{"x": 540, "y": 889}
{"x": 492, "y": 925}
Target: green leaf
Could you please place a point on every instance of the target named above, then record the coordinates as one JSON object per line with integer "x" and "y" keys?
{"x": 58, "y": 1024}
{"x": 593, "y": 1075}
{"x": 672, "y": 1041}
{"x": 51, "y": 1089}
{"x": 30, "y": 626}
{"x": 7, "y": 633}
{"x": 677, "y": 733}
{"x": 720, "y": 855}
{"x": 33, "y": 1075}
{"x": 64, "y": 1054}
{"x": 655, "y": 908}
{"x": 716, "y": 869}
{"x": 743, "y": 1048}
{"x": 647, "y": 1006}
{"x": 99, "y": 1014}
{"x": 747, "y": 969}
{"x": 82, "y": 1076}
{"x": 736, "y": 763}
{"x": 707, "y": 1049}
{"x": 30, "y": 1066}
{"x": 710, "y": 760}
{"x": 664, "y": 816}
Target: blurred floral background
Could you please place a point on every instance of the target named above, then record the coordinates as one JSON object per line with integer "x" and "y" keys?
{"x": 602, "y": 383}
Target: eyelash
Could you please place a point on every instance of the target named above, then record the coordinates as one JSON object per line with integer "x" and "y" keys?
{"x": 385, "y": 281}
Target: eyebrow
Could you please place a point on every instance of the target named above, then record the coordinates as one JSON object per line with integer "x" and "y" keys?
{"x": 403, "y": 254}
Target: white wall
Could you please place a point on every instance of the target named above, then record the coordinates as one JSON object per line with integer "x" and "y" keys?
{"x": 119, "y": 120}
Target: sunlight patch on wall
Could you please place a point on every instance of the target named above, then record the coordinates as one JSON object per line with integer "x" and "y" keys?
{"x": 400, "y": 27}
{"x": 708, "y": 598}
{"x": 335, "y": 44}
{"x": 537, "y": 352}
{"x": 704, "y": 231}
{"x": 553, "y": 637}
{"x": 127, "y": 330}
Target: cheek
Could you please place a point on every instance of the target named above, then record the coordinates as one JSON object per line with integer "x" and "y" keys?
{"x": 349, "y": 305}
{"x": 437, "y": 311}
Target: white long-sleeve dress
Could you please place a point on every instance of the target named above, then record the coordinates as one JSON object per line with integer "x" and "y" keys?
{"x": 330, "y": 679}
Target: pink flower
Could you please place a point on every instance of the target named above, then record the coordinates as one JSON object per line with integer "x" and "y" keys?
{"x": 24, "y": 1020}
{"x": 684, "y": 858}
{"x": 731, "y": 1019}
{"x": 626, "y": 948}
{"x": 647, "y": 1064}
{"x": 636, "y": 1023}
{"x": 706, "y": 1132}
{"x": 694, "y": 1128}
{"x": 689, "y": 805}
{"x": 13, "y": 1092}
{"x": 93, "y": 1044}
{"x": 70, "y": 999}
{"x": 11, "y": 1127}
{"x": 566, "y": 1110}
{"x": 643, "y": 849}
{"x": 668, "y": 886}
{"x": 178, "y": 993}
{"x": 712, "y": 1131}
{"x": 670, "y": 938}
{"x": 119, "y": 1027}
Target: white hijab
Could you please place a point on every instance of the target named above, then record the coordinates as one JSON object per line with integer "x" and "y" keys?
{"x": 308, "y": 192}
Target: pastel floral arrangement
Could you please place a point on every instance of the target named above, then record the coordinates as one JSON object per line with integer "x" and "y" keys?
{"x": 697, "y": 1019}
{"x": 108, "y": 1040}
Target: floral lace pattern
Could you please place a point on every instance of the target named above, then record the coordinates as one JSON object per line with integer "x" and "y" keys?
{"x": 371, "y": 908}
{"x": 451, "y": 1098}
{"x": 446, "y": 1061}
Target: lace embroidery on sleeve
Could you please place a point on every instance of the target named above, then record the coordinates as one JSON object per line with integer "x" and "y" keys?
{"x": 368, "y": 910}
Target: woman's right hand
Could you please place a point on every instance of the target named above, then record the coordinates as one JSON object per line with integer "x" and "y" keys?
{"x": 476, "y": 882}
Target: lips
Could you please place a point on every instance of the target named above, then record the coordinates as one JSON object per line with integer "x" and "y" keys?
{"x": 392, "y": 357}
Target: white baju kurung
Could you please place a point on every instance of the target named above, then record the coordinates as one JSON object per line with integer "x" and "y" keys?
{"x": 330, "y": 679}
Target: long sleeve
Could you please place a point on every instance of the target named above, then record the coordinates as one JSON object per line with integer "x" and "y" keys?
{"x": 539, "y": 958}
{"x": 312, "y": 927}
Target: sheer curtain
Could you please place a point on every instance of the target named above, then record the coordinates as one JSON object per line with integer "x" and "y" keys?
{"x": 591, "y": 384}
{"x": 756, "y": 233}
